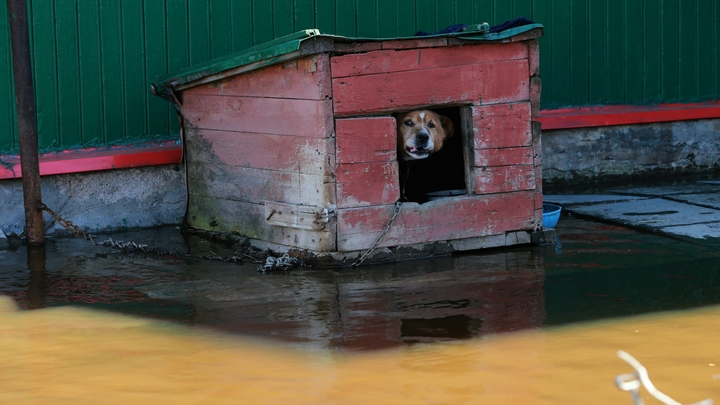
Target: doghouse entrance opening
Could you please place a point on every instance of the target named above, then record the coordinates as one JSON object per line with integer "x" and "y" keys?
{"x": 442, "y": 174}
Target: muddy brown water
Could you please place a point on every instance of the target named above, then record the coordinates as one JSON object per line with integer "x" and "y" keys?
{"x": 528, "y": 324}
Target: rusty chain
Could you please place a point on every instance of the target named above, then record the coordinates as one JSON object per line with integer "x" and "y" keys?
{"x": 130, "y": 246}
{"x": 388, "y": 225}
{"x": 284, "y": 262}
{"x": 271, "y": 263}
{"x": 69, "y": 225}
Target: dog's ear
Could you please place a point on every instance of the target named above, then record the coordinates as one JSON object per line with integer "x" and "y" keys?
{"x": 447, "y": 125}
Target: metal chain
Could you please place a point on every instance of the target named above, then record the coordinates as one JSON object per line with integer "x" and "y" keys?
{"x": 388, "y": 225}
{"x": 271, "y": 263}
{"x": 130, "y": 246}
{"x": 283, "y": 262}
{"x": 69, "y": 225}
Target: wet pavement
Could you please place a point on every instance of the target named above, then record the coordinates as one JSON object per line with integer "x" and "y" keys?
{"x": 687, "y": 209}
{"x": 595, "y": 271}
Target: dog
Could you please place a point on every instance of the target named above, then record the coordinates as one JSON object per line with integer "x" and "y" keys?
{"x": 421, "y": 133}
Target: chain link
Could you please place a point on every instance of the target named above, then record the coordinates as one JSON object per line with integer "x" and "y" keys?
{"x": 131, "y": 246}
{"x": 283, "y": 262}
{"x": 69, "y": 225}
{"x": 271, "y": 263}
{"x": 388, "y": 225}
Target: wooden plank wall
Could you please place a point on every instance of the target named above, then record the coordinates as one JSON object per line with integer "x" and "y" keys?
{"x": 378, "y": 81}
{"x": 367, "y": 171}
{"x": 262, "y": 138}
{"x": 494, "y": 82}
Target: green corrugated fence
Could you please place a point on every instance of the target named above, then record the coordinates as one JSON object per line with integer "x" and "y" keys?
{"x": 95, "y": 59}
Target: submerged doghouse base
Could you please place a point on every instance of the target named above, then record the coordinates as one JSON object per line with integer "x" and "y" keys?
{"x": 262, "y": 249}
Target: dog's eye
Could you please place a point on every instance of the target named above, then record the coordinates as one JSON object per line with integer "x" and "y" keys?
{"x": 409, "y": 123}
{"x": 431, "y": 125}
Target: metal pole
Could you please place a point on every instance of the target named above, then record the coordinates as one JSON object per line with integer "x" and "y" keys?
{"x": 27, "y": 121}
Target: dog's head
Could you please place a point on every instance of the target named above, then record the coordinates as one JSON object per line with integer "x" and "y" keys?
{"x": 421, "y": 132}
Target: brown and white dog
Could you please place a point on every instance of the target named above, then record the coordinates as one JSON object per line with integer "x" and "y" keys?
{"x": 421, "y": 132}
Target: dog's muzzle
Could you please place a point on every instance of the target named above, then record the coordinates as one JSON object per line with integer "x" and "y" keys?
{"x": 418, "y": 153}
{"x": 422, "y": 148}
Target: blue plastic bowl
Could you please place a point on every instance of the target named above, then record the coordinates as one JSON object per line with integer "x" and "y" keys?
{"x": 551, "y": 215}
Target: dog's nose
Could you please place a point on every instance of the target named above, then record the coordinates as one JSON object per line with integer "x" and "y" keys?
{"x": 422, "y": 137}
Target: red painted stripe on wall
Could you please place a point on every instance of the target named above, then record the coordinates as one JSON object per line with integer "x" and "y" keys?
{"x": 88, "y": 160}
{"x": 584, "y": 117}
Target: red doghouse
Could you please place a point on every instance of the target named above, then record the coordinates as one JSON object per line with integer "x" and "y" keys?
{"x": 292, "y": 144}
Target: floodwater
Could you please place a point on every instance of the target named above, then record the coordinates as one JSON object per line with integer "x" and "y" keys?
{"x": 520, "y": 325}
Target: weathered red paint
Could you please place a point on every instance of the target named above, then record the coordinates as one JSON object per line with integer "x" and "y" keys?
{"x": 446, "y": 219}
{"x": 257, "y": 185}
{"x": 279, "y": 116}
{"x": 362, "y": 184}
{"x": 400, "y": 61}
{"x": 502, "y": 126}
{"x": 303, "y": 79}
{"x": 487, "y": 83}
{"x": 261, "y": 151}
{"x": 600, "y": 116}
{"x": 504, "y": 156}
{"x": 504, "y": 179}
{"x": 367, "y": 139}
{"x": 88, "y": 160}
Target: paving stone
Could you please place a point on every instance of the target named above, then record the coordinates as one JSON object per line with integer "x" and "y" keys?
{"x": 695, "y": 231}
{"x": 584, "y": 199}
{"x": 652, "y": 213}
{"x": 667, "y": 190}
{"x": 707, "y": 199}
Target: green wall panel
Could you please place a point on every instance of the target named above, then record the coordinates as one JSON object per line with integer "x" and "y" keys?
{"x": 8, "y": 131}
{"x": 68, "y": 64}
{"x": 155, "y": 43}
{"x": 95, "y": 59}
{"x": 89, "y": 77}
{"x": 652, "y": 50}
{"x": 44, "y": 54}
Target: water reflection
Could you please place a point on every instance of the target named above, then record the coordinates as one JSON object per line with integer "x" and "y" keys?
{"x": 37, "y": 285}
{"x": 372, "y": 308}
{"x": 602, "y": 272}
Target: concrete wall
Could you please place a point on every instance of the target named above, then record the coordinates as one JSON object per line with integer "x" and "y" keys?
{"x": 102, "y": 201}
{"x": 608, "y": 153}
